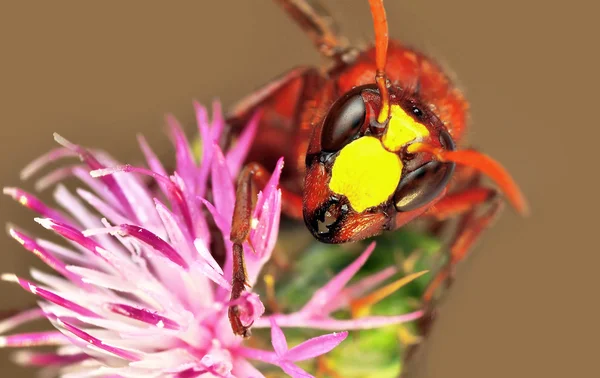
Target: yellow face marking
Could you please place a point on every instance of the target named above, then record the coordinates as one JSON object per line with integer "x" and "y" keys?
{"x": 366, "y": 173}
{"x": 402, "y": 129}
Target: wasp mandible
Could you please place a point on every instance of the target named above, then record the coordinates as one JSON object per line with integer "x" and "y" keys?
{"x": 372, "y": 141}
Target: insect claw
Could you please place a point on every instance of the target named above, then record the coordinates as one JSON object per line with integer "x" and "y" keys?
{"x": 251, "y": 245}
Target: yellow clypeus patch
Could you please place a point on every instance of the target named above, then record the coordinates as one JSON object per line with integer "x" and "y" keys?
{"x": 366, "y": 173}
{"x": 402, "y": 129}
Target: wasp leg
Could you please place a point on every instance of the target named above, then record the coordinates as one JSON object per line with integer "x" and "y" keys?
{"x": 461, "y": 202}
{"x": 270, "y": 92}
{"x": 252, "y": 178}
{"x": 284, "y": 105}
{"x": 269, "y": 99}
{"x": 468, "y": 232}
{"x": 466, "y": 203}
{"x": 467, "y": 198}
{"x": 318, "y": 24}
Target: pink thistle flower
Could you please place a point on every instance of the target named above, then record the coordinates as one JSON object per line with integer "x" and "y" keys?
{"x": 138, "y": 291}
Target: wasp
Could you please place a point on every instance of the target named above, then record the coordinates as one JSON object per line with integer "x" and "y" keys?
{"x": 372, "y": 141}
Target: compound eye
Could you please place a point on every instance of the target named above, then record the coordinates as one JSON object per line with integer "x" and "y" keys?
{"x": 422, "y": 185}
{"x": 343, "y": 122}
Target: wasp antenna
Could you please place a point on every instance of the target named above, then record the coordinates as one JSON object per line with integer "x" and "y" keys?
{"x": 318, "y": 24}
{"x": 485, "y": 165}
{"x": 381, "y": 45}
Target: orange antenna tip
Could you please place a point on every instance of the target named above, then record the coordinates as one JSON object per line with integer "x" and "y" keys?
{"x": 485, "y": 165}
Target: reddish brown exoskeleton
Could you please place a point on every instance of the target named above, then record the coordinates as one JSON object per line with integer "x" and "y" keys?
{"x": 370, "y": 143}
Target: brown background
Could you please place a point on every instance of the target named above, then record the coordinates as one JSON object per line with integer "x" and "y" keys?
{"x": 100, "y": 72}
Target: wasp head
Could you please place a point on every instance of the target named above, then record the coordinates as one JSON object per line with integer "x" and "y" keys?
{"x": 361, "y": 178}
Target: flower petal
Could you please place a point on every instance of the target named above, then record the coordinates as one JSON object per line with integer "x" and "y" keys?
{"x": 211, "y": 273}
{"x": 270, "y": 187}
{"x": 207, "y": 147}
{"x": 33, "y": 339}
{"x": 178, "y": 234}
{"x": 32, "y": 202}
{"x": 49, "y": 295}
{"x": 138, "y": 196}
{"x": 243, "y": 368}
{"x": 223, "y": 224}
{"x": 186, "y": 167}
{"x": 84, "y": 217}
{"x": 32, "y": 246}
{"x": 316, "y": 346}
{"x": 99, "y": 188}
{"x": 93, "y": 163}
{"x": 56, "y": 176}
{"x": 206, "y": 256}
{"x": 28, "y": 358}
{"x": 174, "y": 193}
{"x": 237, "y": 155}
{"x": 88, "y": 244}
{"x": 294, "y": 371}
{"x": 154, "y": 242}
{"x": 333, "y": 288}
{"x": 358, "y": 289}
{"x": 222, "y": 183}
{"x": 278, "y": 339}
{"x": 6, "y": 324}
{"x": 102, "y": 207}
{"x": 97, "y": 343}
{"x": 39, "y": 163}
{"x": 65, "y": 254}
{"x": 217, "y": 124}
{"x": 151, "y": 158}
{"x": 143, "y": 315}
{"x": 172, "y": 361}
{"x": 330, "y": 324}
